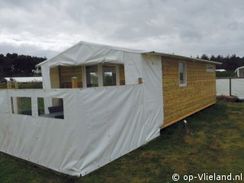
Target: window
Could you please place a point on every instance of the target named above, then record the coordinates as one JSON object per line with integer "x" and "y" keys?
{"x": 21, "y": 105}
{"x": 24, "y": 105}
{"x": 210, "y": 68}
{"x": 82, "y": 76}
{"x": 105, "y": 74}
{"x": 109, "y": 75}
{"x": 92, "y": 76}
{"x": 55, "y": 108}
{"x": 66, "y": 73}
{"x": 182, "y": 74}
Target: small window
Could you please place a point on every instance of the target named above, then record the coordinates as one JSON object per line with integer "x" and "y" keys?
{"x": 109, "y": 75}
{"x": 92, "y": 76}
{"x": 24, "y": 105}
{"x": 54, "y": 110}
{"x": 210, "y": 68}
{"x": 182, "y": 74}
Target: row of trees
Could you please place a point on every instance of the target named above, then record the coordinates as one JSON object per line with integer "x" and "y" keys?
{"x": 12, "y": 65}
{"x": 229, "y": 63}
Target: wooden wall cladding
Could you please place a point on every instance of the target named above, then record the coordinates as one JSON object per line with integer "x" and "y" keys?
{"x": 199, "y": 93}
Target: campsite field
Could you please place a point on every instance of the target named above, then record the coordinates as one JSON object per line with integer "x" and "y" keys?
{"x": 214, "y": 143}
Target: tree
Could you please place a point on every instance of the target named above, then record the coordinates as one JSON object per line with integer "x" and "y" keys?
{"x": 12, "y": 65}
{"x": 204, "y": 57}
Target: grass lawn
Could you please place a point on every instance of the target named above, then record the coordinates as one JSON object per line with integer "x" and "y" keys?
{"x": 215, "y": 143}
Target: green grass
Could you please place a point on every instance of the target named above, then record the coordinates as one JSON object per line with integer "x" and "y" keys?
{"x": 214, "y": 144}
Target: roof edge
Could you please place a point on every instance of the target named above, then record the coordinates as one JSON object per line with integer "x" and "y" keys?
{"x": 181, "y": 57}
{"x": 45, "y": 61}
{"x": 238, "y": 68}
{"x": 130, "y": 50}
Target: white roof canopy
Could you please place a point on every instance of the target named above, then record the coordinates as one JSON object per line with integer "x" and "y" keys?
{"x": 237, "y": 69}
{"x": 84, "y": 53}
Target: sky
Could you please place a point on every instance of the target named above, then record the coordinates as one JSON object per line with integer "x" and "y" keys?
{"x": 185, "y": 27}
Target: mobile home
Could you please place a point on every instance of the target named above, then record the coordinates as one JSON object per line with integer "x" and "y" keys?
{"x": 100, "y": 102}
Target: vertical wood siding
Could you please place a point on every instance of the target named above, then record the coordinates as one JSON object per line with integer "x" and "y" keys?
{"x": 180, "y": 102}
{"x": 121, "y": 74}
{"x": 61, "y": 77}
{"x": 66, "y": 74}
{"x": 54, "y": 77}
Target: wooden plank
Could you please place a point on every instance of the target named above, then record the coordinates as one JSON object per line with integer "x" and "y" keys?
{"x": 180, "y": 102}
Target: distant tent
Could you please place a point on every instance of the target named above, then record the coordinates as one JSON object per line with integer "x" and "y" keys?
{"x": 240, "y": 72}
{"x": 220, "y": 70}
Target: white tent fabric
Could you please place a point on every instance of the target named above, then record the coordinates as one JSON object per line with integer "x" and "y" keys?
{"x": 100, "y": 124}
{"x": 237, "y": 87}
{"x": 85, "y": 53}
{"x": 222, "y": 87}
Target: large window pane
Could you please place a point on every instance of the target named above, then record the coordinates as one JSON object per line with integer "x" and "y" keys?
{"x": 182, "y": 74}
{"x": 109, "y": 75}
{"x": 24, "y": 105}
{"x": 55, "y": 109}
{"x": 91, "y": 76}
{"x": 67, "y": 73}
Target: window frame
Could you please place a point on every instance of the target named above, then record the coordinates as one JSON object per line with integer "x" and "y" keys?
{"x": 85, "y": 74}
{"x": 116, "y": 67}
{"x": 184, "y": 84}
{"x": 208, "y": 69}
{"x": 100, "y": 74}
{"x": 23, "y": 105}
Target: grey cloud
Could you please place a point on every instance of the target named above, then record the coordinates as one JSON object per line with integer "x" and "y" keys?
{"x": 185, "y": 27}
{"x": 26, "y": 49}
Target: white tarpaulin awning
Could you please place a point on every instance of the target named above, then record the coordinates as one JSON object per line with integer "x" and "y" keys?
{"x": 99, "y": 126}
{"x": 223, "y": 87}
